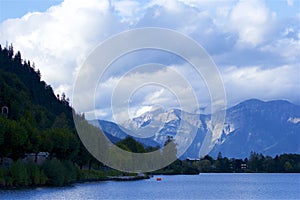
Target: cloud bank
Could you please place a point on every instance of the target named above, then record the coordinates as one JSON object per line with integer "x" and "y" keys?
{"x": 254, "y": 44}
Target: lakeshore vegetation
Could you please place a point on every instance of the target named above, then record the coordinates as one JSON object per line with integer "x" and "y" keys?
{"x": 33, "y": 120}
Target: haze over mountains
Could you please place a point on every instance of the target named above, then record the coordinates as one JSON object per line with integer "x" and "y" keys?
{"x": 270, "y": 128}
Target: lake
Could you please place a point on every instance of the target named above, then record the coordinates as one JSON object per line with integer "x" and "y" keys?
{"x": 203, "y": 186}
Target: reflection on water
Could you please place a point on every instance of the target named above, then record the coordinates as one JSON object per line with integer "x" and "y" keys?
{"x": 203, "y": 186}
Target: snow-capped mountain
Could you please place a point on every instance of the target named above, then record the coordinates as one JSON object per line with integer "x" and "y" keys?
{"x": 266, "y": 127}
{"x": 116, "y": 133}
{"x": 158, "y": 124}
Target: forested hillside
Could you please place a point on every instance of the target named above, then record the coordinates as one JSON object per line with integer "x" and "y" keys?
{"x": 33, "y": 119}
{"x": 35, "y": 114}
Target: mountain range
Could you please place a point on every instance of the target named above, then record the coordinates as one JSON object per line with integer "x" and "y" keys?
{"x": 270, "y": 128}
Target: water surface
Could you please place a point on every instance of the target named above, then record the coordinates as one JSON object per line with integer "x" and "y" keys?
{"x": 203, "y": 186}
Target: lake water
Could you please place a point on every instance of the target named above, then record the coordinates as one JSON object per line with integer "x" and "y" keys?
{"x": 203, "y": 186}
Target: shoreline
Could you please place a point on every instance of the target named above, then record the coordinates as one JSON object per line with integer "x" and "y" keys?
{"x": 90, "y": 180}
{"x": 114, "y": 178}
{"x": 125, "y": 179}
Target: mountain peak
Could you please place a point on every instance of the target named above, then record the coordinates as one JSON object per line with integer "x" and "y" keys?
{"x": 250, "y": 102}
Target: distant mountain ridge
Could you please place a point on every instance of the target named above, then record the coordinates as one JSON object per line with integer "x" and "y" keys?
{"x": 270, "y": 128}
{"x": 114, "y": 133}
{"x": 267, "y": 127}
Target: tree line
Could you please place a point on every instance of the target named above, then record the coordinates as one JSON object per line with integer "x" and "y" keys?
{"x": 256, "y": 163}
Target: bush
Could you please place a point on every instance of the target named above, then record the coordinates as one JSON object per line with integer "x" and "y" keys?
{"x": 70, "y": 172}
{"x": 92, "y": 174}
{"x": 3, "y": 174}
{"x": 8, "y": 181}
{"x": 36, "y": 174}
{"x": 55, "y": 172}
{"x": 43, "y": 178}
{"x": 18, "y": 174}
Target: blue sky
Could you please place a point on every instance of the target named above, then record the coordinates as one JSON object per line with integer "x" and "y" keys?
{"x": 18, "y": 8}
{"x": 255, "y": 44}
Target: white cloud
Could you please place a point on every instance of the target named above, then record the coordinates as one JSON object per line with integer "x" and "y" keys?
{"x": 59, "y": 39}
{"x": 253, "y": 21}
{"x": 235, "y": 33}
{"x": 153, "y": 97}
{"x": 290, "y": 2}
{"x": 127, "y": 95}
{"x": 266, "y": 84}
{"x": 143, "y": 110}
{"x": 159, "y": 82}
{"x": 128, "y": 10}
{"x": 287, "y": 48}
{"x": 240, "y": 84}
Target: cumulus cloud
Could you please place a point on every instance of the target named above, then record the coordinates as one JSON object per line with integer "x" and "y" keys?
{"x": 259, "y": 46}
{"x": 287, "y": 48}
{"x": 290, "y": 2}
{"x": 139, "y": 90}
{"x": 59, "y": 39}
{"x": 253, "y": 21}
{"x": 256, "y": 82}
{"x": 128, "y": 10}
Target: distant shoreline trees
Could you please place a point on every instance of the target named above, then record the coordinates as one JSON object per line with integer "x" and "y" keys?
{"x": 256, "y": 163}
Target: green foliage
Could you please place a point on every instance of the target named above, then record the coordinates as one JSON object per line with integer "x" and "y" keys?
{"x": 58, "y": 172}
{"x": 92, "y": 175}
{"x": 33, "y": 110}
{"x": 14, "y": 138}
{"x": 129, "y": 144}
{"x": 38, "y": 121}
{"x": 288, "y": 166}
{"x": 19, "y": 174}
{"x": 2, "y": 132}
{"x": 62, "y": 143}
{"x": 43, "y": 178}
{"x": 222, "y": 164}
{"x": 3, "y": 176}
{"x": 169, "y": 151}
{"x": 205, "y": 165}
{"x": 60, "y": 122}
{"x": 22, "y": 88}
{"x": 83, "y": 157}
{"x": 55, "y": 172}
{"x": 36, "y": 174}
{"x": 258, "y": 163}
{"x": 288, "y": 163}
{"x": 70, "y": 174}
